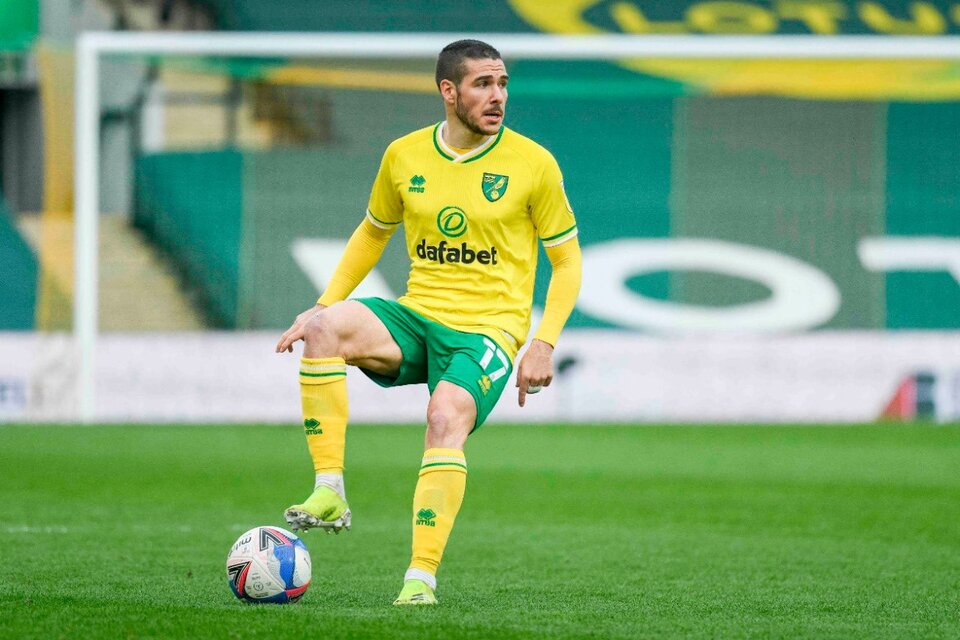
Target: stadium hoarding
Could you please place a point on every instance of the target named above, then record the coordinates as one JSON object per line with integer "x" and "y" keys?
{"x": 835, "y": 80}
{"x": 758, "y": 17}
{"x": 602, "y": 376}
{"x": 822, "y": 17}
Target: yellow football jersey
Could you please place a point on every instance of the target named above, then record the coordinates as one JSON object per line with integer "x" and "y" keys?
{"x": 472, "y": 222}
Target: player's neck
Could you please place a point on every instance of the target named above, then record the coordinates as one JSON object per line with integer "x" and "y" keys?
{"x": 459, "y": 137}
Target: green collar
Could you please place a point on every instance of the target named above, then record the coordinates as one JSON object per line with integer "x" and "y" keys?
{"x": 473, "y": 154}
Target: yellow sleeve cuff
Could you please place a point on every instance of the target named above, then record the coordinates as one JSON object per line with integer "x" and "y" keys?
{"x": 362, "y": 252}
{"x": 567, "y": 263}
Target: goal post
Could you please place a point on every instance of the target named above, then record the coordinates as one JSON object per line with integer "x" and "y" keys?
{"x": 92, "y": 47}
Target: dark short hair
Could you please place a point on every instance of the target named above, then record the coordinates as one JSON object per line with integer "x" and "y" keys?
{"x": 450, "y": 61}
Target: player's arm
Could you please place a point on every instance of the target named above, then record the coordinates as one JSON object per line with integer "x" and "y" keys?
{"x": 553, "y": 217}
{"x": 536, "y": 366}
{"x": 567, "y": 263}
{"x": 362, "y": 252}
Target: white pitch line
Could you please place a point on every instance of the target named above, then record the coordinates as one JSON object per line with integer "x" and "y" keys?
{"x": 24, "y": 528}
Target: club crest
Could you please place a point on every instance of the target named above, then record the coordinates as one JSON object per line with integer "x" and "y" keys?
{"x": 494, "y": 186}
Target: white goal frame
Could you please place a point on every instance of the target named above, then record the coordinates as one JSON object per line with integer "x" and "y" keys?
{"x": 91, "y": 46}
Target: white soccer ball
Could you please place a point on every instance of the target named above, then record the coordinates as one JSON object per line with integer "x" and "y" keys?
{"x": 268, "y": 564}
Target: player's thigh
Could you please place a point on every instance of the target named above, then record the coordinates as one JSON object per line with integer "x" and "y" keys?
{"x": 472, "y": 362}
{"x": 364, "y": 340}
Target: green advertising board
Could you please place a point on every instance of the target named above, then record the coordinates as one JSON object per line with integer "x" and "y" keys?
{"x": 19, "y": 24}
{"x": 18, "y": 275}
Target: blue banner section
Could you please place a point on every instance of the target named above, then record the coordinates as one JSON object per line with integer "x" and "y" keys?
{"x": 19, "y": 24}
{"x": 18, "y": 276}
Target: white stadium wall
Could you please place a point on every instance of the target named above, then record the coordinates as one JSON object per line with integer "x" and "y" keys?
{"x": 606, "y": 376}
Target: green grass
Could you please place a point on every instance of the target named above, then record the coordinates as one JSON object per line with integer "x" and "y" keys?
{"x": 566, "y": 532}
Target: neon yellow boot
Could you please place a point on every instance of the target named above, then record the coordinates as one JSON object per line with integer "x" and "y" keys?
{"x": 415, "y": 592}
{"x": 324, "y": 509}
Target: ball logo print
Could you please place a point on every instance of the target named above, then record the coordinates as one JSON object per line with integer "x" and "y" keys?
{"x": 268, "y": 565}
{"x": 452, "y": 222}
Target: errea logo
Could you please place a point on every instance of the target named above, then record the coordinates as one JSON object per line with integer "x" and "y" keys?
{"x": 426, "y": 517}
{"x": 416, "y": 184}
{"x": 484, "y": 383}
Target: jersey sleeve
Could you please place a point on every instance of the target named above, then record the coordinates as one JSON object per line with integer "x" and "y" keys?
{"x": 549, "y": 208}
{"x": 362, "y": 252}
{"x": 385, "y": 209}
{"x": 567, "y": 272}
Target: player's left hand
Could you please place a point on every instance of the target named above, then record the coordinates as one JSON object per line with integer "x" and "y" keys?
{"x": 535, "y": 370}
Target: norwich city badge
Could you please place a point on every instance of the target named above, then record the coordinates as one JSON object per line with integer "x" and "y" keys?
{"x": 494, "y": 186}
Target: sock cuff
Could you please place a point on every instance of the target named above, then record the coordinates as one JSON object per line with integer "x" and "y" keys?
{"x": 331, "y": 479}
{"x": 419, "y": 574}
{"x": 322, "y": 370}
{"x": 439, "y": 451}
{"x": 438, "y": 459}
{"x": 330, "y": 360}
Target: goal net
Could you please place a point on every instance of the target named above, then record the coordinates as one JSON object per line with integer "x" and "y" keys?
{"x": 757, "y": 216}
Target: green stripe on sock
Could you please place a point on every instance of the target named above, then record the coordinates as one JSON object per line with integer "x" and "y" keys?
{"x": 448, "y": 464}
{"x": 323, "y": 375}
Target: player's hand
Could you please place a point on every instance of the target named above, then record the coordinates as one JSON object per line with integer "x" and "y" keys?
{"x": 535, "y": 370}
{"x": 295, "y": 332}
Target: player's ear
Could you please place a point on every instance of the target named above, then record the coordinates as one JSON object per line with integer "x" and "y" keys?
{"x": 449, "y": 91}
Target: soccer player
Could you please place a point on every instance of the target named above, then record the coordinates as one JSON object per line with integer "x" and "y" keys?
{"x": 474, "y": 198}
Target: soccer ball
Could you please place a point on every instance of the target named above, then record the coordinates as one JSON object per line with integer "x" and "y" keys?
{"x": 268, "y": 564}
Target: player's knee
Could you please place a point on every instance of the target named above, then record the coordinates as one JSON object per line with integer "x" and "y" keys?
{"x": 446, "y": 427}
{"x": 440, "y": 419}
{"x": 320, "y": 334}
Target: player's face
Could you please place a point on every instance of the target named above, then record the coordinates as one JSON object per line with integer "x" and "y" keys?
{"x": 482, "y": 96}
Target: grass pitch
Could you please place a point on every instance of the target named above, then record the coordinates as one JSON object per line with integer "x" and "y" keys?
{"x": 566, "y": 532}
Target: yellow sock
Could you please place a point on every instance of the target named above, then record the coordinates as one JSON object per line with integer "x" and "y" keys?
{"x": 323, "y": 394}
{"x": 439, "y": 494}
